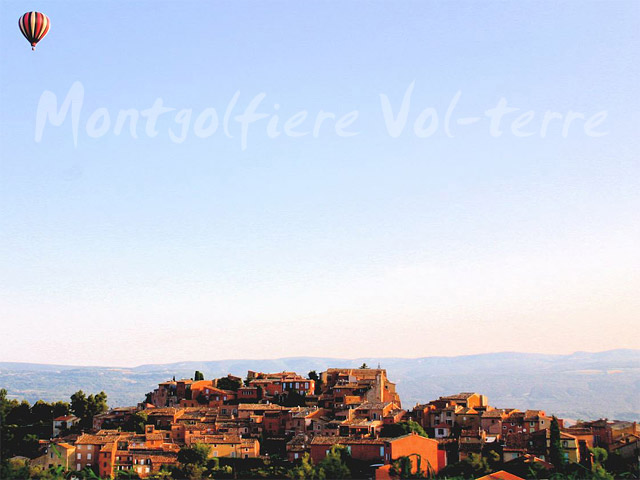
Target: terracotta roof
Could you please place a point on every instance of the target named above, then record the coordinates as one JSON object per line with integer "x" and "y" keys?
{"x": 497, "y": 413}
{"x": 222, "y": 439}
{"x": 64, "y": 445}
{"x": 65, "y": 418}
{"x": 376, "y": 405}
{"x": 164, "y": 411}
{"x": 107, "y": 447}
{"x": 88, "y": 439}
{"x": 459, "y": 396}
{"x": 321, "y": 440}
{"x": 260, "y": 406}
{"x": 529, "y": 414}
{"x": 500, "y": 475}
{"x": 162, "y": 459}
{"x": 468, "y": 411}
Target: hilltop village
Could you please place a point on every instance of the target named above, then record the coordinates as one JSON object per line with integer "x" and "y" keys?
{"x": 303, "y": 420}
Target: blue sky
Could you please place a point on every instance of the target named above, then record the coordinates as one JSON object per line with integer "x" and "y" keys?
{"x": 122, "y": 250}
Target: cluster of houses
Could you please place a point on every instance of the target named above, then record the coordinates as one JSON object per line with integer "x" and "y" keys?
{"x": 292, "y": 415}
{"x": 465, "y": 423}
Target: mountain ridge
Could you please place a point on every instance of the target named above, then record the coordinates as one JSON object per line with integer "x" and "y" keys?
{"x": 577, "y": 385}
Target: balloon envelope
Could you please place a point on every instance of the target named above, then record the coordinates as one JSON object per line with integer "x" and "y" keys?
{"x": 34, "y": 26}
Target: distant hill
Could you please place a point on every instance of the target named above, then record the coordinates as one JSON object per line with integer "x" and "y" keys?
{"x": 578, "y": 386}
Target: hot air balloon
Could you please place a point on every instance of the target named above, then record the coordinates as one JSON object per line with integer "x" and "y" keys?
{"x": 34, "y": 26}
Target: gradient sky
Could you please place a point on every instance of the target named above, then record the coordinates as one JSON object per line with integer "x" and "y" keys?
{"x": 122, "y": 251}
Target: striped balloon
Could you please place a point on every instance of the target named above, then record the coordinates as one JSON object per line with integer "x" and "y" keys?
{"x": 34, "y": 26}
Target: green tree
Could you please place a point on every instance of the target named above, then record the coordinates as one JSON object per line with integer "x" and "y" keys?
{"x": 85, "y": 408}
{"x": 304, "y": 471}
{"x": 403, "y": 468}
{"x": 6, "y": 405}
{"x": 226, "y": 383}
{"x": 198, "y": 376}
{"x": 42, "y": 412}
{"x": 403, "y": 428}
{"x": 136, "y": 422}
{"x": 334, "y": 465}
{"x": 197, "y": 455}
{"x": 475, "y": 465}
{"x": 60, "y": 409}
{"x": 556, "y": 454}
{"x": 127, "y": 475}
{"x": 20, "y": 414}
{"x": 97, "y": 404}
{"x": 313, "y": 375}
{"x": 79, "y": 404}
{"x": 598, "y": 459}
{"x": 293, "y": 399}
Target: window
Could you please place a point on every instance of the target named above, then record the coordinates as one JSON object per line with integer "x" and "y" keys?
{"x": 146, "y": 469}
{"x": 79, "y": 456}
{"x": 295, "y": 455}
{"x": 89, "y": 447}
{"x": 88, "y": 456}
{"x": 382, "y": 451}
{"x": 78, "y": 467}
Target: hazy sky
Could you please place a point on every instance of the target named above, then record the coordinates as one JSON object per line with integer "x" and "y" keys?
{"x": 120, "y": 250}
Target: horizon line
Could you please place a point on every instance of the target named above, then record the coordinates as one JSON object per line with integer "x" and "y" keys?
{"x": 318, "y": 357}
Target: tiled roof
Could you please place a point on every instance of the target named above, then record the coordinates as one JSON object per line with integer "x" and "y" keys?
{"x": 497, "y": 413}
{"x": 260, "y": 406}
{"x": 215, "y": 439}
{"x": 162, "y": 459}
{"x": 163, "y": 411}
{"x": 531, "y": 414}
{"x": 88, "y": 439}
{"x": 65, "y": 418}
{"x": 376, "y": 405}
{"x": 64, "y": 445}
{"x": 107, "y": 447}
{"x": 321, "y": 440}
{"x": 459, "y": 396}
{"x": 501, "y": 475}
